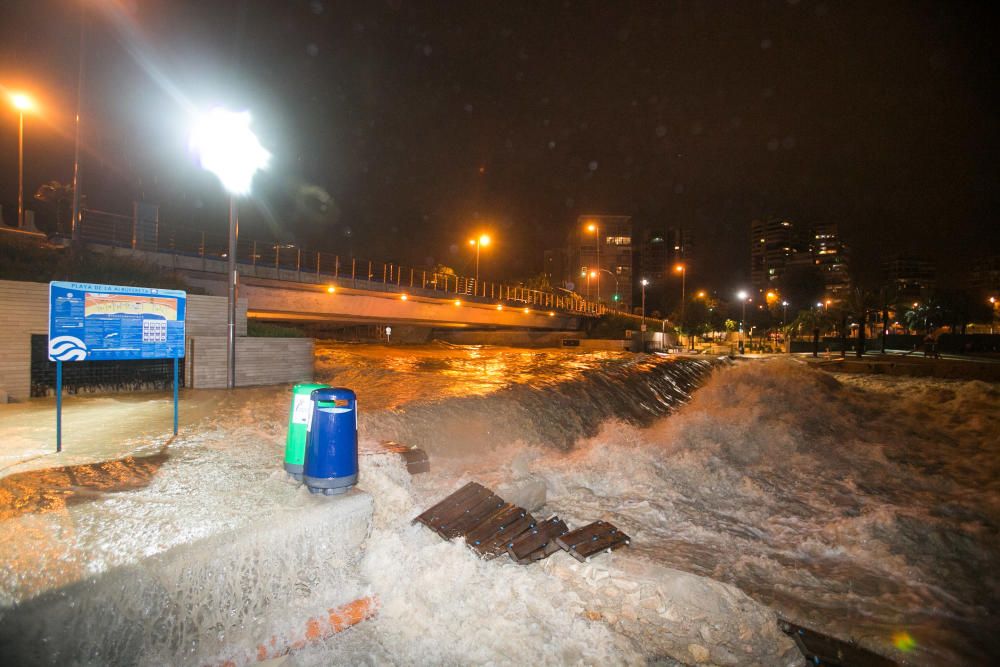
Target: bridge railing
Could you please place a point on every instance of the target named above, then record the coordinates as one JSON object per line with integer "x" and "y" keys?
{"x": 280, "y": 259}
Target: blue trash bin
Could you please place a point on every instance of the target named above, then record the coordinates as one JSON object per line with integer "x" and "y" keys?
{"x": 331, "y": 456}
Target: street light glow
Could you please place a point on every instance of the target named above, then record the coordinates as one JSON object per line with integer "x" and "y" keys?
{"x": 227, "y": 147}
{"x": 643, "y": 282}
{"x": 21, "y": 102}
{"x": 331, "y": 289}
{"x": 484, "y": 240}
{"x": 742, "y": 295}
{"x": 679, "y": 268}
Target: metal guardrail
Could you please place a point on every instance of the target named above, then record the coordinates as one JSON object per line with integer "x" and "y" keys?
{"x": 315, "y": 266}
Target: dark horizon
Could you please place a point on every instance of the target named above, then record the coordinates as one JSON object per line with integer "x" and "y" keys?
{"x": 424, "y": 123}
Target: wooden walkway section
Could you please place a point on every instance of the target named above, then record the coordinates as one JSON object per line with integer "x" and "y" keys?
{"x": 492, "y": 526}
{"x": 593, "y": 538}
{"x": 539, "y": 542}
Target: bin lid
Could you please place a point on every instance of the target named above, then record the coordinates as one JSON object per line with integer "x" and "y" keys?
{"x": 308, "y": 388}
{"x": 333, "y": 394}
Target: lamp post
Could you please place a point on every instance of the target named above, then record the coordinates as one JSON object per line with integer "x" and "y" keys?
{"x": 593, "y": 227}
{"x": 22, "y": 103}
{"x": 227, "y": 147}
{"x": 479, "y": 242}
{"x": 682, "y": 269}
{"x": 743, "y": 300}
{"x": 643, "y": 282}
{"x": 613, "y": 276}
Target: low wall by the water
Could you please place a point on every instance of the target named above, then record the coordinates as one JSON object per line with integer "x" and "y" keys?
{"x": 203, "y": 602}
{"x": 25, "y": 308}
{"x": 259, "y": 361}
{"x": 507, "y": 338}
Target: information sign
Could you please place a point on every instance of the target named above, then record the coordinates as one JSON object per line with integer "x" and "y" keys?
{"x": 90, "y": 322}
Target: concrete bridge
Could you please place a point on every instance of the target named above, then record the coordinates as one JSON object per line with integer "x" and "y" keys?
{"x": 387, "y": 294}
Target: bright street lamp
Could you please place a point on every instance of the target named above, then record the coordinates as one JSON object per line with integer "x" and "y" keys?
{"x": 643, "y": 282}
{"x": 22, "y": 103}
{"x": 681, "y": 269}
{"x": 592, "y": 227}
{"x": 227, "y": 147}
{"x": 743, "y": 300}
{"x": 483, "y": 240}
{"x": 784, "y": 312}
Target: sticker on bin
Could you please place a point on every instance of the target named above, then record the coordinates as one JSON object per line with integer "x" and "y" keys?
{"x": 301, "y": 409}
{"x": 341, "y": 403}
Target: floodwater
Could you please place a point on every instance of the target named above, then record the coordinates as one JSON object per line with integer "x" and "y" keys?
{"x": 864, "y": 507}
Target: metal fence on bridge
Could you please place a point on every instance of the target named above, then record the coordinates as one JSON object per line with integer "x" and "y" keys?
{"x": 316, "y": 266}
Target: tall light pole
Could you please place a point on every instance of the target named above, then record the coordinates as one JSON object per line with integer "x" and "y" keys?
{"x": 593, "y": 227}
{"x": 743, "y": 318}
{"x": 784, "y": 313}
{"x": 643, "y": 282}
{"x": 478, "y": 242}
{"x": 682, "y": 269}
{"x": 616, "y": 283}
{"x": 228, "y": 148}
{"x": 22, "y": 103}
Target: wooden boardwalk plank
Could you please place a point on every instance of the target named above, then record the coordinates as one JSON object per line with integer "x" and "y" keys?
{"x": 471, "y": 517}
{"x": 498, "y": 543}
{"x": 448, "y": 505}
{"x": 591, "y": 539}
{"x": 538, "y": 542}
{"x": 489, "y": 526}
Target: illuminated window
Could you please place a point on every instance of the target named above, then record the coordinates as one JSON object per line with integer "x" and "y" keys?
{"x": 618, "y": 240}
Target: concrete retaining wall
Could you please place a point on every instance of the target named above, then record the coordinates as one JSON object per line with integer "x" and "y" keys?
{"x": 24, "y": 310}
{"x": 202, "y": 602}
{"x": 258, "y": 361}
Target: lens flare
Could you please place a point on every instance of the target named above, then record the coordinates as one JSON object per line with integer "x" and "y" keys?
{"x": 904, "y": 641}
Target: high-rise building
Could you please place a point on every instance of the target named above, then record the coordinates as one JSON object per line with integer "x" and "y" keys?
{"x": 773, "y": 244}
{"x": 600, "y": 255}
{"x": 909, "y": 278}
{"x": 832, "y": 257}
{"x": 985, "y": 275}
{"x": 659, "y": 250}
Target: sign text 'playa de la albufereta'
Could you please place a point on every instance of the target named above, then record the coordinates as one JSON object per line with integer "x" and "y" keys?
{"x": 114, "y": 322}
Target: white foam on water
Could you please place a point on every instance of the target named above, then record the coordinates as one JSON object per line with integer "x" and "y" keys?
{"x": 860, "y": 506}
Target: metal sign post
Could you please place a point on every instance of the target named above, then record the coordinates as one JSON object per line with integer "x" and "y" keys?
{"x": 90, "y": 322}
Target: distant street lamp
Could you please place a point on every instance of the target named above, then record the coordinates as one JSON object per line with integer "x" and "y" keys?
{"x": 227, "y": 147}
{"x": 681, "y": 269}
{"x": 784, "y": 312}
{"x": 22, "y": 103}
{"x": 743, "y": 300}
{"x": 643, "y": 282}
{"x": 483, "y": 240}
{"x": 592, "y": 227}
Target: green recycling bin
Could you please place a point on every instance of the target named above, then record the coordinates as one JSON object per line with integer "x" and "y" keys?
{"x": 298, "y": 423}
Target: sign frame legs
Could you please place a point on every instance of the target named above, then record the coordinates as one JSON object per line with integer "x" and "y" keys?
{"x": 175, "y": 395}
{"x": 58, "y": 407}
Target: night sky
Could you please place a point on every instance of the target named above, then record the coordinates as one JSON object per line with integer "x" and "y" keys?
{"x": 399, "y": 128}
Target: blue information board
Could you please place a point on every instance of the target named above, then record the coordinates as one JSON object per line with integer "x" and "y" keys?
{"x": 115, "y": 322}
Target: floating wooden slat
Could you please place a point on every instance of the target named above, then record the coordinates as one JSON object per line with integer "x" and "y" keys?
{"x": 492, "y": 535}
{"x": 823, "y": 649}
{"x": 415, "y": 459}
{"x": 451, "y": 504}
{"x": 538, "y": 542}
{"x": 591, "y": 539}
